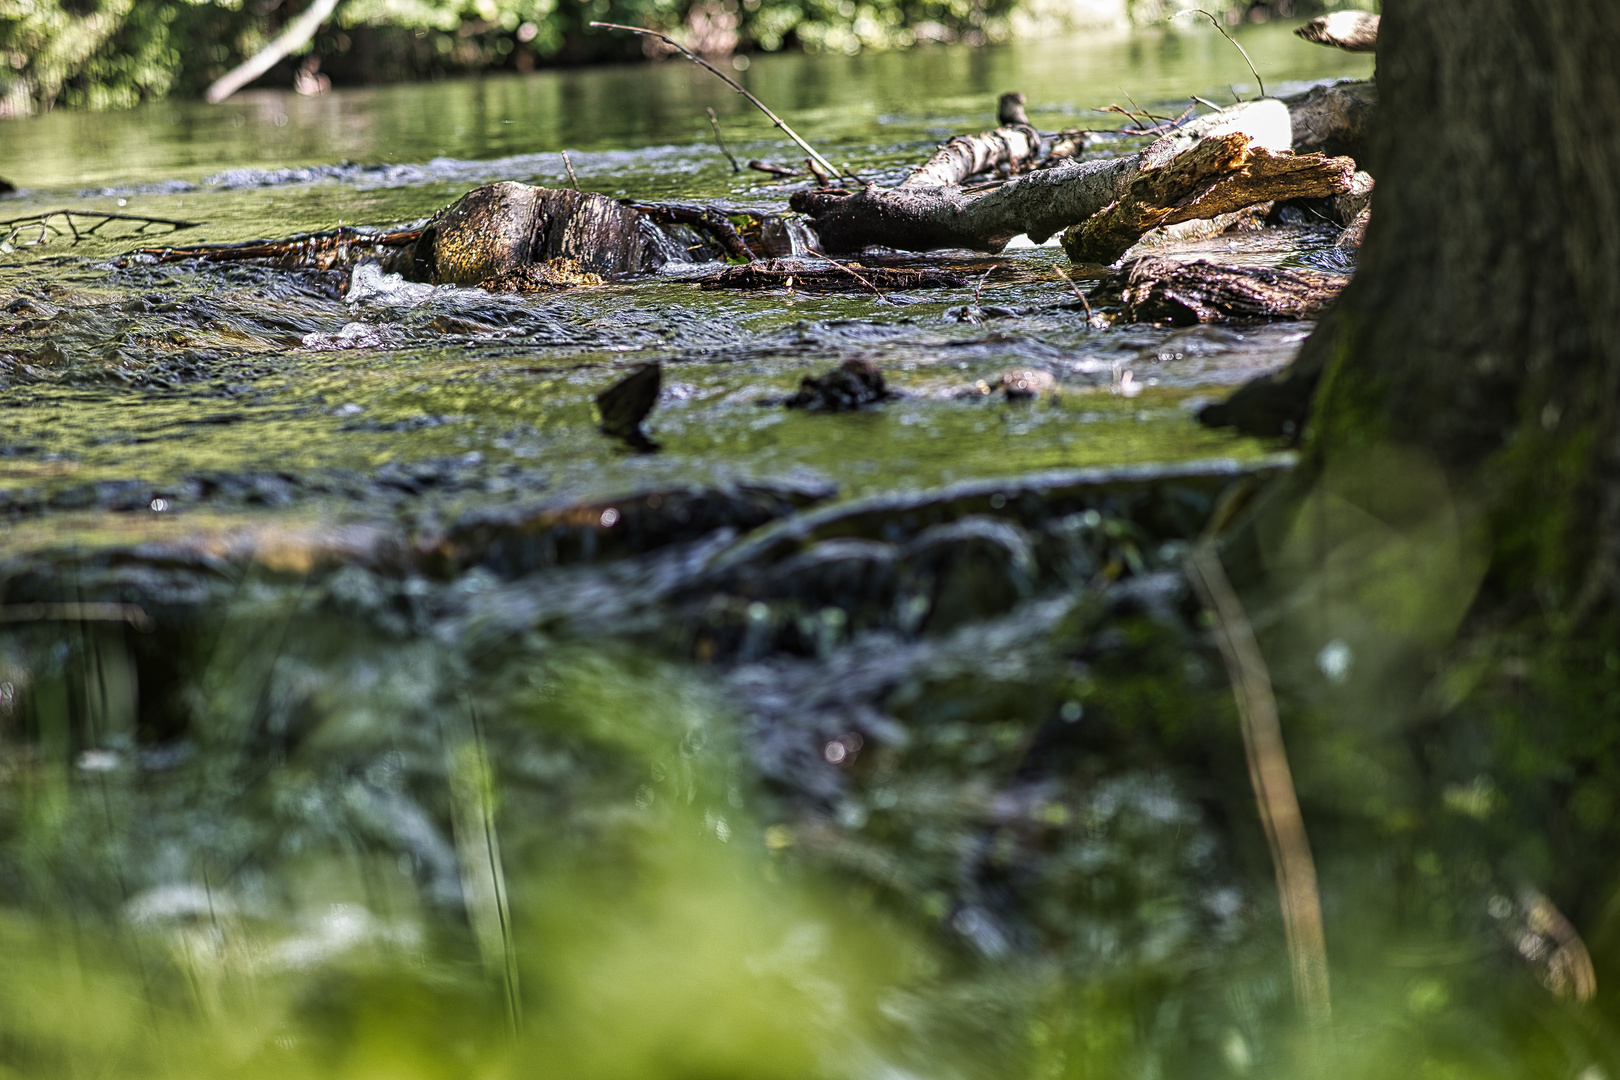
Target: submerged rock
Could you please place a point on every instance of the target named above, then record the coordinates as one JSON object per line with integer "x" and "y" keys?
{"x": 852, "y": 384}
{"x": 1028, "y": 383}
{"x": 626, "y": 403}
{"x": 498, "y": 230}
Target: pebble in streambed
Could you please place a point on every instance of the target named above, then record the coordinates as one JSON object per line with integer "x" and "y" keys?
{"x": 848, "y": 387}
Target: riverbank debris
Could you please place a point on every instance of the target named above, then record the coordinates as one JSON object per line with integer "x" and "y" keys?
{"x": 791, "y": 274}
{"x": 1159, "y": 290}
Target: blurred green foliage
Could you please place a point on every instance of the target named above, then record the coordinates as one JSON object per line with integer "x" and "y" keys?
{"x": 101, "y": 54}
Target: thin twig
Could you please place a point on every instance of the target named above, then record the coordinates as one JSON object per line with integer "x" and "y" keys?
{"x": 1235, "y": 45}
{"x": 569, "y": 165}
{"x": 1206, "y": 103}
{"x": 42, "y": 223}
{"x": 1272, "y": 780}
{"x": 979, "y": 290}
{"x": 1078, "y": 295}
{"x": 714, "y": 122}
{"x": 1139, "y": 108}
{"x": 832, "y": 170}
{"x": 848, "y": 270}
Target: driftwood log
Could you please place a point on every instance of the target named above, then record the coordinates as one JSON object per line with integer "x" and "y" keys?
{"x": 1013, "y": 146}
{"x": 1219, "y": 176}
{"x": 1165, "y": 291}
{"x": 1039, "y": 205}
{"x": 1353, "y": 31}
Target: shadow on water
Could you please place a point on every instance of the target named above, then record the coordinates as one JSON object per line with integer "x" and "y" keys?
{"x": 365, "y": 710}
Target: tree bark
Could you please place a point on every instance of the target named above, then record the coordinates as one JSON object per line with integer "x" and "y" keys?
{"x": 1483, "y": 328}
{"x": 965, "y": 155}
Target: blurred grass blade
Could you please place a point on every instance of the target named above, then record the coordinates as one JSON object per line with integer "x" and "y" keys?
{"x": 478, "y": 849}
{"x": 1273, "y": 783}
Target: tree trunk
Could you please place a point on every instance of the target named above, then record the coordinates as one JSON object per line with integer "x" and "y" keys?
{"x": 1483, "y": 328}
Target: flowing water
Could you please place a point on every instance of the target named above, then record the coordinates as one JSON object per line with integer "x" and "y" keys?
{"x": 365, "y": 710}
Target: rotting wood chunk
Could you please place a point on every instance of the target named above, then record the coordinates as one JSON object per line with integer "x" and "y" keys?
{"x": 852, "y": 384}
{"x": 1165, "y": 291}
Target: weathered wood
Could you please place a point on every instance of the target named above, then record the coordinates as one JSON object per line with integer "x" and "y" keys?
{"x": 966, "y": 155}
{"x": 1354, "y": 232}
{"x": 1221, "y": 175}
{"x": 1335, "y": 119}
{"x": 1039, "y": 204}
{"x": 1165, "y": 291}
{"x": 1353, "y": 31}
{"x": 496, "y": 229}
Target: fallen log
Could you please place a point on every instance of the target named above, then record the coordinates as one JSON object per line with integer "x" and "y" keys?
{"x": 1040, "y": 204}
{"x": 1352, "y": 31}
{"x": 1220, "y": 175}
{"x": 1162, "y": 290}
{"x": 342, "y": 247}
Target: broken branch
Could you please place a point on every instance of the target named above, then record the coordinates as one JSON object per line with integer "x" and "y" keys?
{"x": 1220, "y": 175}
{"x": 1040, "y": 204}
{"x": 297, "y": 33}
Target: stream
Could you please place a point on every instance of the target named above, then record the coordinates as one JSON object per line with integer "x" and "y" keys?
{"x": 365, "y": 710}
